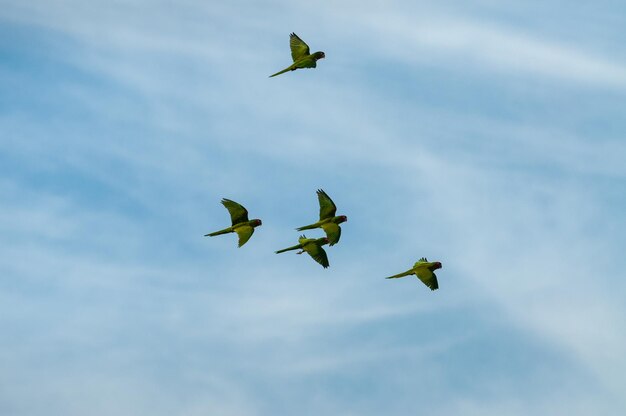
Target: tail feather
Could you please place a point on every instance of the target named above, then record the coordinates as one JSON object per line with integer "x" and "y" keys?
{"x": 289, "y": 248}
{"x": 282, "y": 72}
{"x": 395, "y": 276}
{"x": 220, "y": 232}
{"x": 307, "y": 227}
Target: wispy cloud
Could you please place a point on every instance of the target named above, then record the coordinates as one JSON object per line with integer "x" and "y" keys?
{"x": 483, "y": 45}
{"x": 422, "y": 132}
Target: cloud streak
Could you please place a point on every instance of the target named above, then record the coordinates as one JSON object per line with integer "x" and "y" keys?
{"x": 114, "y": 168}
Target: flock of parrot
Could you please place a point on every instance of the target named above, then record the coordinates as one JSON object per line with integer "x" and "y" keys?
{"x": 328, "y": 220}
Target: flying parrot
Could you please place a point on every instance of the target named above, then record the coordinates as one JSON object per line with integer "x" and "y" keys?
{"x": 313, "y": 246}
{"x": 424, "y": 270}
{"x": 328, "y": 221}
{"x": 239, "y": 218}
{"x": 301, "y": 55}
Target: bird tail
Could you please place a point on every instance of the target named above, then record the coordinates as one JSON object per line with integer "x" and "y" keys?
{"x": 289, "y": 248}
{"x": 282, "y": 72}
{"x": 220, "y": 232}
{"x": 307, "y": 227}
{"x": 395, "y": 276}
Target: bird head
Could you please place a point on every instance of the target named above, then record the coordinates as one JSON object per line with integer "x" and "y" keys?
{"x": 324, "y": 240}
{"x": 256, "y": 222}
{"x": 436, "y": 265}
{"x": 340, "y": 219}
{"x": 319, "y": 55}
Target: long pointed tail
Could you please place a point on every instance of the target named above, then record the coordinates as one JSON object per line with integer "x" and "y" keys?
{"x": 395, "y": 276}
{"x": 307, "y": 227}
{"x": 282, "y": 72}
{"x": 288, "y": 249}
{"x": 220, "y": 232}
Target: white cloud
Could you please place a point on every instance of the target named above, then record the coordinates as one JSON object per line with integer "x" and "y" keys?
{"x": 492, "y": 198}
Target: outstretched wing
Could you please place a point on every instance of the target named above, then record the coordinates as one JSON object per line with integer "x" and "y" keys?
{"x": 244, "y": 233}
{"x": 298, "y": 47}
{"x": 427, "y": 277}
{"x": 395, "y": 276}
{"x": 333, "y": 232}
{"x": 327, "y": 206}
{"x": 237, "y": 212}
{"x": 318, "y": 253}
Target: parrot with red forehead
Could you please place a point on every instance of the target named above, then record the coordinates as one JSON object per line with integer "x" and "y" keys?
{"x": 240, "y": 223}
{"x": 313, "y": 247}
{"x": 424, "y": 270}
{"x": 328, "y": 222}
{"x": 301, "y": 55}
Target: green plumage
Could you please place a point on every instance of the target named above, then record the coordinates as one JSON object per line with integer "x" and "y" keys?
{"x": 313, "y": 247}
{"x": 301, "y": 55}
{"x": 424, "y": 270}
{"x": 328, "y": 222}
{"x": 239, "y": 220}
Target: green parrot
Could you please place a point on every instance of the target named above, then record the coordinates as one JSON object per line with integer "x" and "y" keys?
{"x": 424, "y": 270}
{"x": 313, "y": 246}
{"x": 301, "y": 55}
{"x": 241, "y": 225}
{"x": 328, "y": 221}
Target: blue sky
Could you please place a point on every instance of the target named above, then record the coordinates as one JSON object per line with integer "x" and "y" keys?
{"x": 490, "y": 136}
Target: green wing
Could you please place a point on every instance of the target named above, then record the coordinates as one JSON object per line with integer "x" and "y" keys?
{"x": 299, "y": 49}
{"x": 395, "y": 276}
{"x": 237, "y": 212}
{"x": 244, "y": 232}
{"x": 307, "y": 62}
{"x": 303, "y": 240}
{"x": 327, "y": 206}
{"x": 333, "y": 232}
{"x": 427, "y": 277}
{"x": 317, "y": 252}
{"x": 420, "y": 263}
